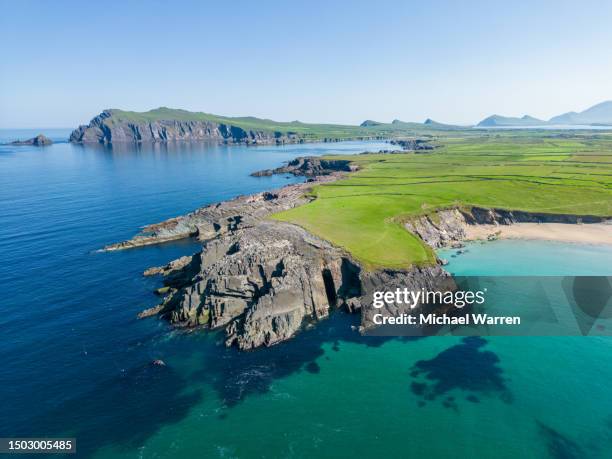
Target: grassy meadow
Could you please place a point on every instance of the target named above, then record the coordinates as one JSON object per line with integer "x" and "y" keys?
{"x": 539, "y": 171}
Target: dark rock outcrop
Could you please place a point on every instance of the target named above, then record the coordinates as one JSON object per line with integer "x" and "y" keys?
{"x": 261, "y": 283}
{"x": 38, "y": 141}
{"x": 417, "y": 145}
{"x": 309, "y": 166}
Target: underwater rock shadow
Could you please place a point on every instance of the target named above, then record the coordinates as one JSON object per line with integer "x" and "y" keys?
{"x": 237, "y": 374}
{"x": 126, "y": 410}
{"x": 559, "y": 446}
{"x": 464, "y": 367}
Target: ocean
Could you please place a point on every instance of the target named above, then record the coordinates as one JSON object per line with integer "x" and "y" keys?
{"x": 76, "y": 362}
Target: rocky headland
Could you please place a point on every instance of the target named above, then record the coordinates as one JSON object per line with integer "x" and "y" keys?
{"x": 111, "y": 126}
{"x": 262, "y": 280}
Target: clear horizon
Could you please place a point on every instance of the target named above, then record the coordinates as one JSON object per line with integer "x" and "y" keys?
{"x": 342, "y": 63}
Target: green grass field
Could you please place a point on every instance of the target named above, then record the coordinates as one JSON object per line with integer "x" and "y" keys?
{"x": 549, "y": 172}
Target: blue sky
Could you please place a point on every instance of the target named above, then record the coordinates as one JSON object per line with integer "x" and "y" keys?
{"x": 63, "y": 62}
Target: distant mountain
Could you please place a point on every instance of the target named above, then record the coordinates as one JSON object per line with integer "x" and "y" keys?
{"x": 368, "y": 123}
{"x": 405, "y": 124}
{"x": 597, "y": 114}
{"x": 435, "y": 124}
{"x": 600, "y": 114}
{"x": 498, "y": 120}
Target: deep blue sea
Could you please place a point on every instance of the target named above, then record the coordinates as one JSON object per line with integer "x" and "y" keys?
{"x": 76, "y": 362}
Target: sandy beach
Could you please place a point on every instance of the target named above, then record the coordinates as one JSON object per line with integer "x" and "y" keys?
{"x": 594, "y": 233}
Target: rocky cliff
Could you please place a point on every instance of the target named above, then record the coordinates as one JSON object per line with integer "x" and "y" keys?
{"x": 261, "y": 284}
{"x": 112, "y": 127}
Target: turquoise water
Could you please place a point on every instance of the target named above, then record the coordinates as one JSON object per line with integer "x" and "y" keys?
{"x": 76, "y": 362}
{"x": 529, "y": 258}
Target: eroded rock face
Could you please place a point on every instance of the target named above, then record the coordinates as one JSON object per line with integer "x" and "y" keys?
{"x": 261, "y": 283}
{"x": 439, "y": 229}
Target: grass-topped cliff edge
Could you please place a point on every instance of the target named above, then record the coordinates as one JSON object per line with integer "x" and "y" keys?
{"x": 554, "y": 173}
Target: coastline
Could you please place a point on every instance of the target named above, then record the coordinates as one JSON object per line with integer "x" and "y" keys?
{"x": 263, "y": 280}
{"x": 591, "y": 233}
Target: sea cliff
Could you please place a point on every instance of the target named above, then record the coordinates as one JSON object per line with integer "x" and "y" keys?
{"x": 112, "y": 126}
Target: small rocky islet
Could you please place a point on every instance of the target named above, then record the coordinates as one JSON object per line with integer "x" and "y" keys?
{"x": 39, "y": 141}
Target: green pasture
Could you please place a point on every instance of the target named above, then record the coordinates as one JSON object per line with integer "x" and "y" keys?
{"x": 530, "y": 171}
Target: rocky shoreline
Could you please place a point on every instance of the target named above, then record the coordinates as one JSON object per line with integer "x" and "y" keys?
{"x": 261, "y": 280}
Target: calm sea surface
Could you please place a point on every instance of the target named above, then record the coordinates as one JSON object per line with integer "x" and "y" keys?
{"x": 76, "y": 362}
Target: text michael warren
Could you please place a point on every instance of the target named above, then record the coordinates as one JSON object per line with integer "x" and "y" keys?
{"x": 443, "y": 319}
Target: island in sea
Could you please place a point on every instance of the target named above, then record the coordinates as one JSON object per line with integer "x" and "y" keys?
{"x": 275, "y": 262}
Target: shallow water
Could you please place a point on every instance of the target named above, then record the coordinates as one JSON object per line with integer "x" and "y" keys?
{"x": 76, "y": 362}
{"x": 515, "y": 257}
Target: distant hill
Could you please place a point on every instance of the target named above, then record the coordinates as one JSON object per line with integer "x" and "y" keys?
{"x": 429, "y": 124}
{"x": 597, "y": 114}
{"x": 498, "y": 120}
{"x": 435, "y": 124}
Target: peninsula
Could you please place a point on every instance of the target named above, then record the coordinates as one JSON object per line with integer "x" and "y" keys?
{"x": 166, "y": 124}
{"x": 276, "y": 261}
